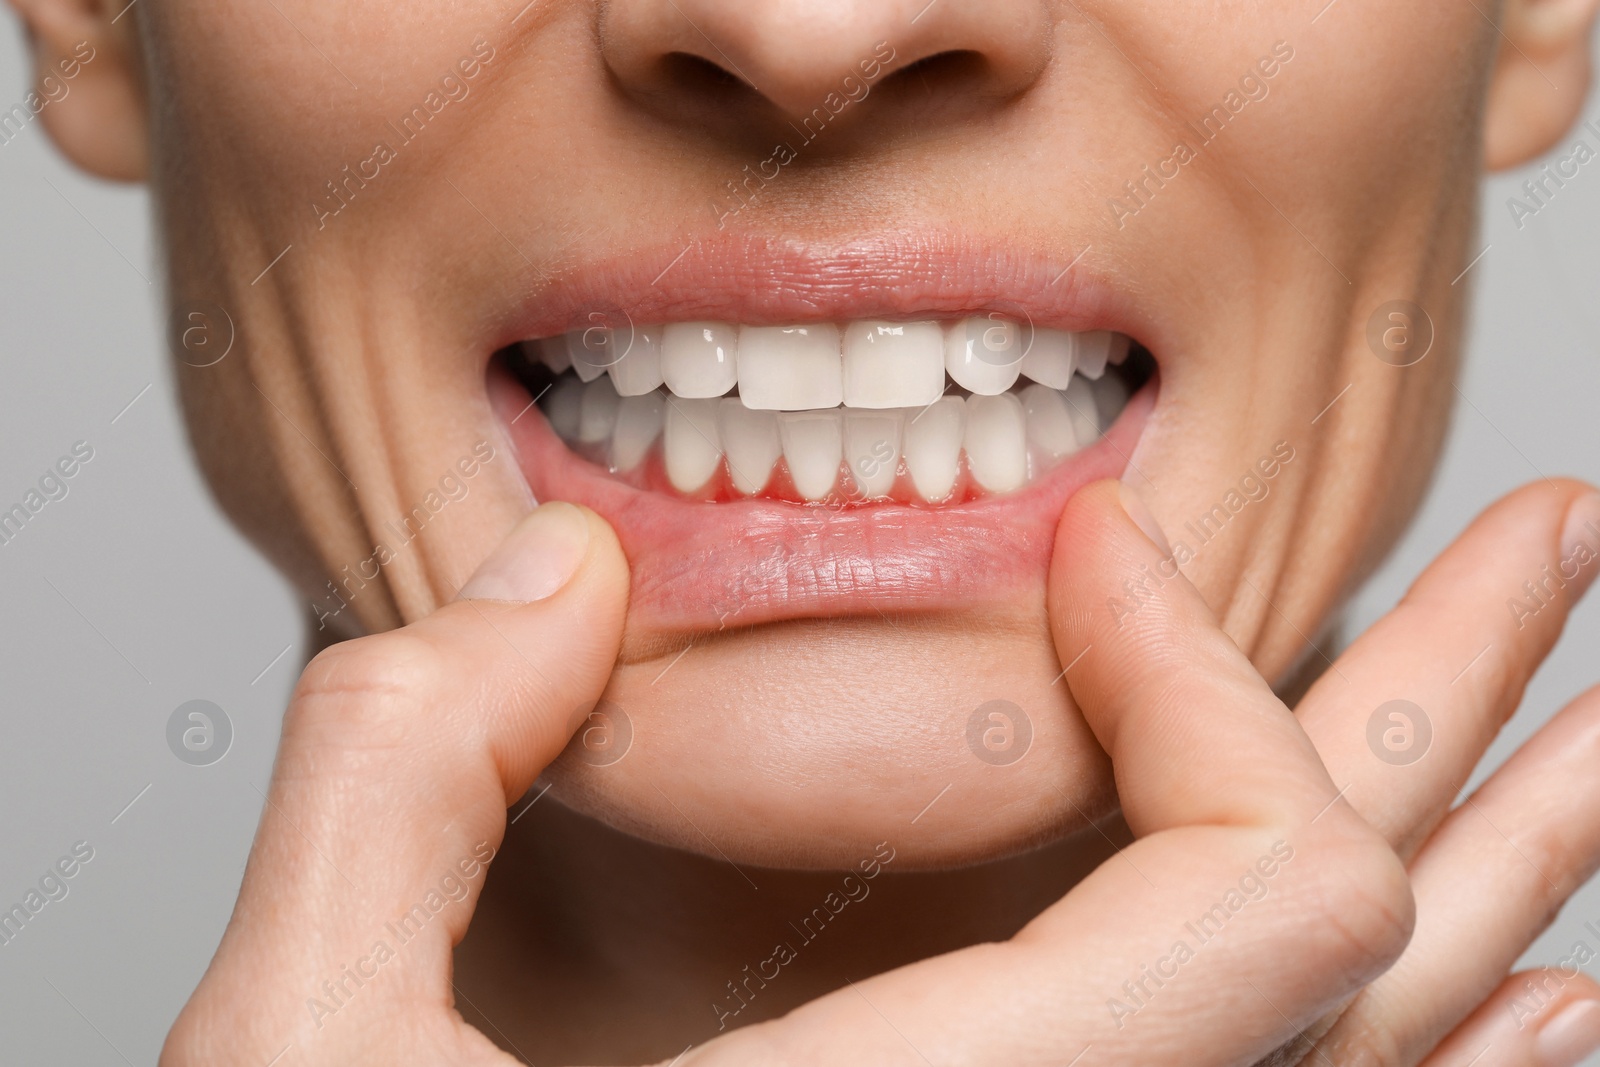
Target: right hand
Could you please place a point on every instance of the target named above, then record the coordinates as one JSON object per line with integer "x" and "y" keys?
{"x": 1322, "y": 857}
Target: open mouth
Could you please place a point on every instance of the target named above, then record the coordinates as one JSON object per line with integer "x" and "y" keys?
{"x": 923, "y": 413}
{"x": 796, "y": 431}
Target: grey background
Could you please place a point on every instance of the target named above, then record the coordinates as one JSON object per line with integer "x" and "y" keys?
{"x": 132, "y": 595}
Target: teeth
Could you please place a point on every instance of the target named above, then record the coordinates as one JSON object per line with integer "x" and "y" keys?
{"x": 813, "y": 444}
{"x": 1083, "y": 409}
{"x": 552, "y": 352}
{"x": 639, "y": 422}
{"x": 864, "y": 398}
{"x": 790, "y": 368}
{"x": 700, "y": 359}
{"x": 597, "y": 413}
{"x": 933, "y": 447}
{"x": 996, "y": 442}
{"x": 1121, "y": 345}
{"x": 1050, "y": 359}
{"x": 872, "y": 449}
{"x": 893, "y": 364}
{"x": 983, "y": 354}
{"x": 691, "y": 443}
{"x": 639, "y": 371}
{"x": 1097, "y": 348}
{"x": 563, "y": 407}
{"x": 1050, "y": 421}
{"x": 588, "y": 351}
{"x": 1111, "y": 396}
{"x": 751, "y": 440}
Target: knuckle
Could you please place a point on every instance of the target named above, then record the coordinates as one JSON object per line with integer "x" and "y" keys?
{"x": 1363, "y": 1043}
{"x": 369, "y": 685}
{"x": 1361, "y": 905}
{"x": 1347, "y": 1039}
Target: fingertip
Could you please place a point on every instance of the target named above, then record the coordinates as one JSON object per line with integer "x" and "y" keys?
{"x": 1546, "y": 1017}
{"x": 549, "y": 548}
{"x": 1085, "y": 518}
{"x": 1105, "y": 528}
{"x": 604, "y": 546}
{"x": 537, "y": 559}
{"x": 606, "y": 564}
{"x": 1580, "y": 538}
{"x": 1572, "y": 1033}
{"x": 1140, "y": 514}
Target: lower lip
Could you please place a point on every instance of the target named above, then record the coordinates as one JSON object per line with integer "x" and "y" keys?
{"x": 699, "y": 567}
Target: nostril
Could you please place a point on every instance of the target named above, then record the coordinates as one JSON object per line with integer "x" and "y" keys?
{"x": 961, "y": 63}
{"x": 690, "y": 89}
{"x": 746, "y": 69}
{"x": 957, "y": 73}
{"x": 697, "y": 76}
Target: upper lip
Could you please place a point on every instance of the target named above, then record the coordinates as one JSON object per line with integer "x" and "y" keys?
{"x": 765, "y": 280}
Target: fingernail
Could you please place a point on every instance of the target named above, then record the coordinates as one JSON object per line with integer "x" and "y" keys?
{"x": 1142, "y": 518}
{"x": 1565, "y": 1040}
{"x": 1580, "y": 541}
{"x": 538, "y": 557}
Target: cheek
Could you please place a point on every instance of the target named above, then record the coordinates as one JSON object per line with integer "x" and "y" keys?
{"x": 1388, "y": 114}
{"x": 296, "y": 89}
{"x": 806, "y": 745}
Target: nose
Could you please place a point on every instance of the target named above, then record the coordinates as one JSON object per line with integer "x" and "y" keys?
{"x": 796, "y": 54}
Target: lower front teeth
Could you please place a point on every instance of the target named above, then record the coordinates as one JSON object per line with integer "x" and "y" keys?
{"x": 841, "y": 452}
{"x": 997, "y": 442}
{"x": 1010, "y": 428}
{"x": 691, "y": 442}
{"x": 813, "y": 443}
{"x": 872, "y": 449}
{"x": 933, "y": 448}
{"x": 750, "y": 439}
{"x": 640, "y": 420}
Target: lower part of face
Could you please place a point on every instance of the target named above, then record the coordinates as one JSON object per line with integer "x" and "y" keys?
{"x": 1232, "y": 230}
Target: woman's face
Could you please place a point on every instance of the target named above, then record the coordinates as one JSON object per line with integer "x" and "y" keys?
{"x": 381, "y": 198}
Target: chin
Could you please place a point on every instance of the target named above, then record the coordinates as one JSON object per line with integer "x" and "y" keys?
{"x": 838, "y": 504}
{"x": 805, "y": 744}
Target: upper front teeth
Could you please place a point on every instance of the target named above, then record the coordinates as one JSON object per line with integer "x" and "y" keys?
{"x": 699, "y": 359}
{"x": 791, "y": 381}
{"x": 983, "y": 355}
{"x": 790, "y": 368}
{"x": 639, "y": 371}
{"x": 870, "y": 364}
{"x": 892, "y": 364}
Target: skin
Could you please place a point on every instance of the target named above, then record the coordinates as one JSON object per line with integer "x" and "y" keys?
{"x": 357, "y": 374}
